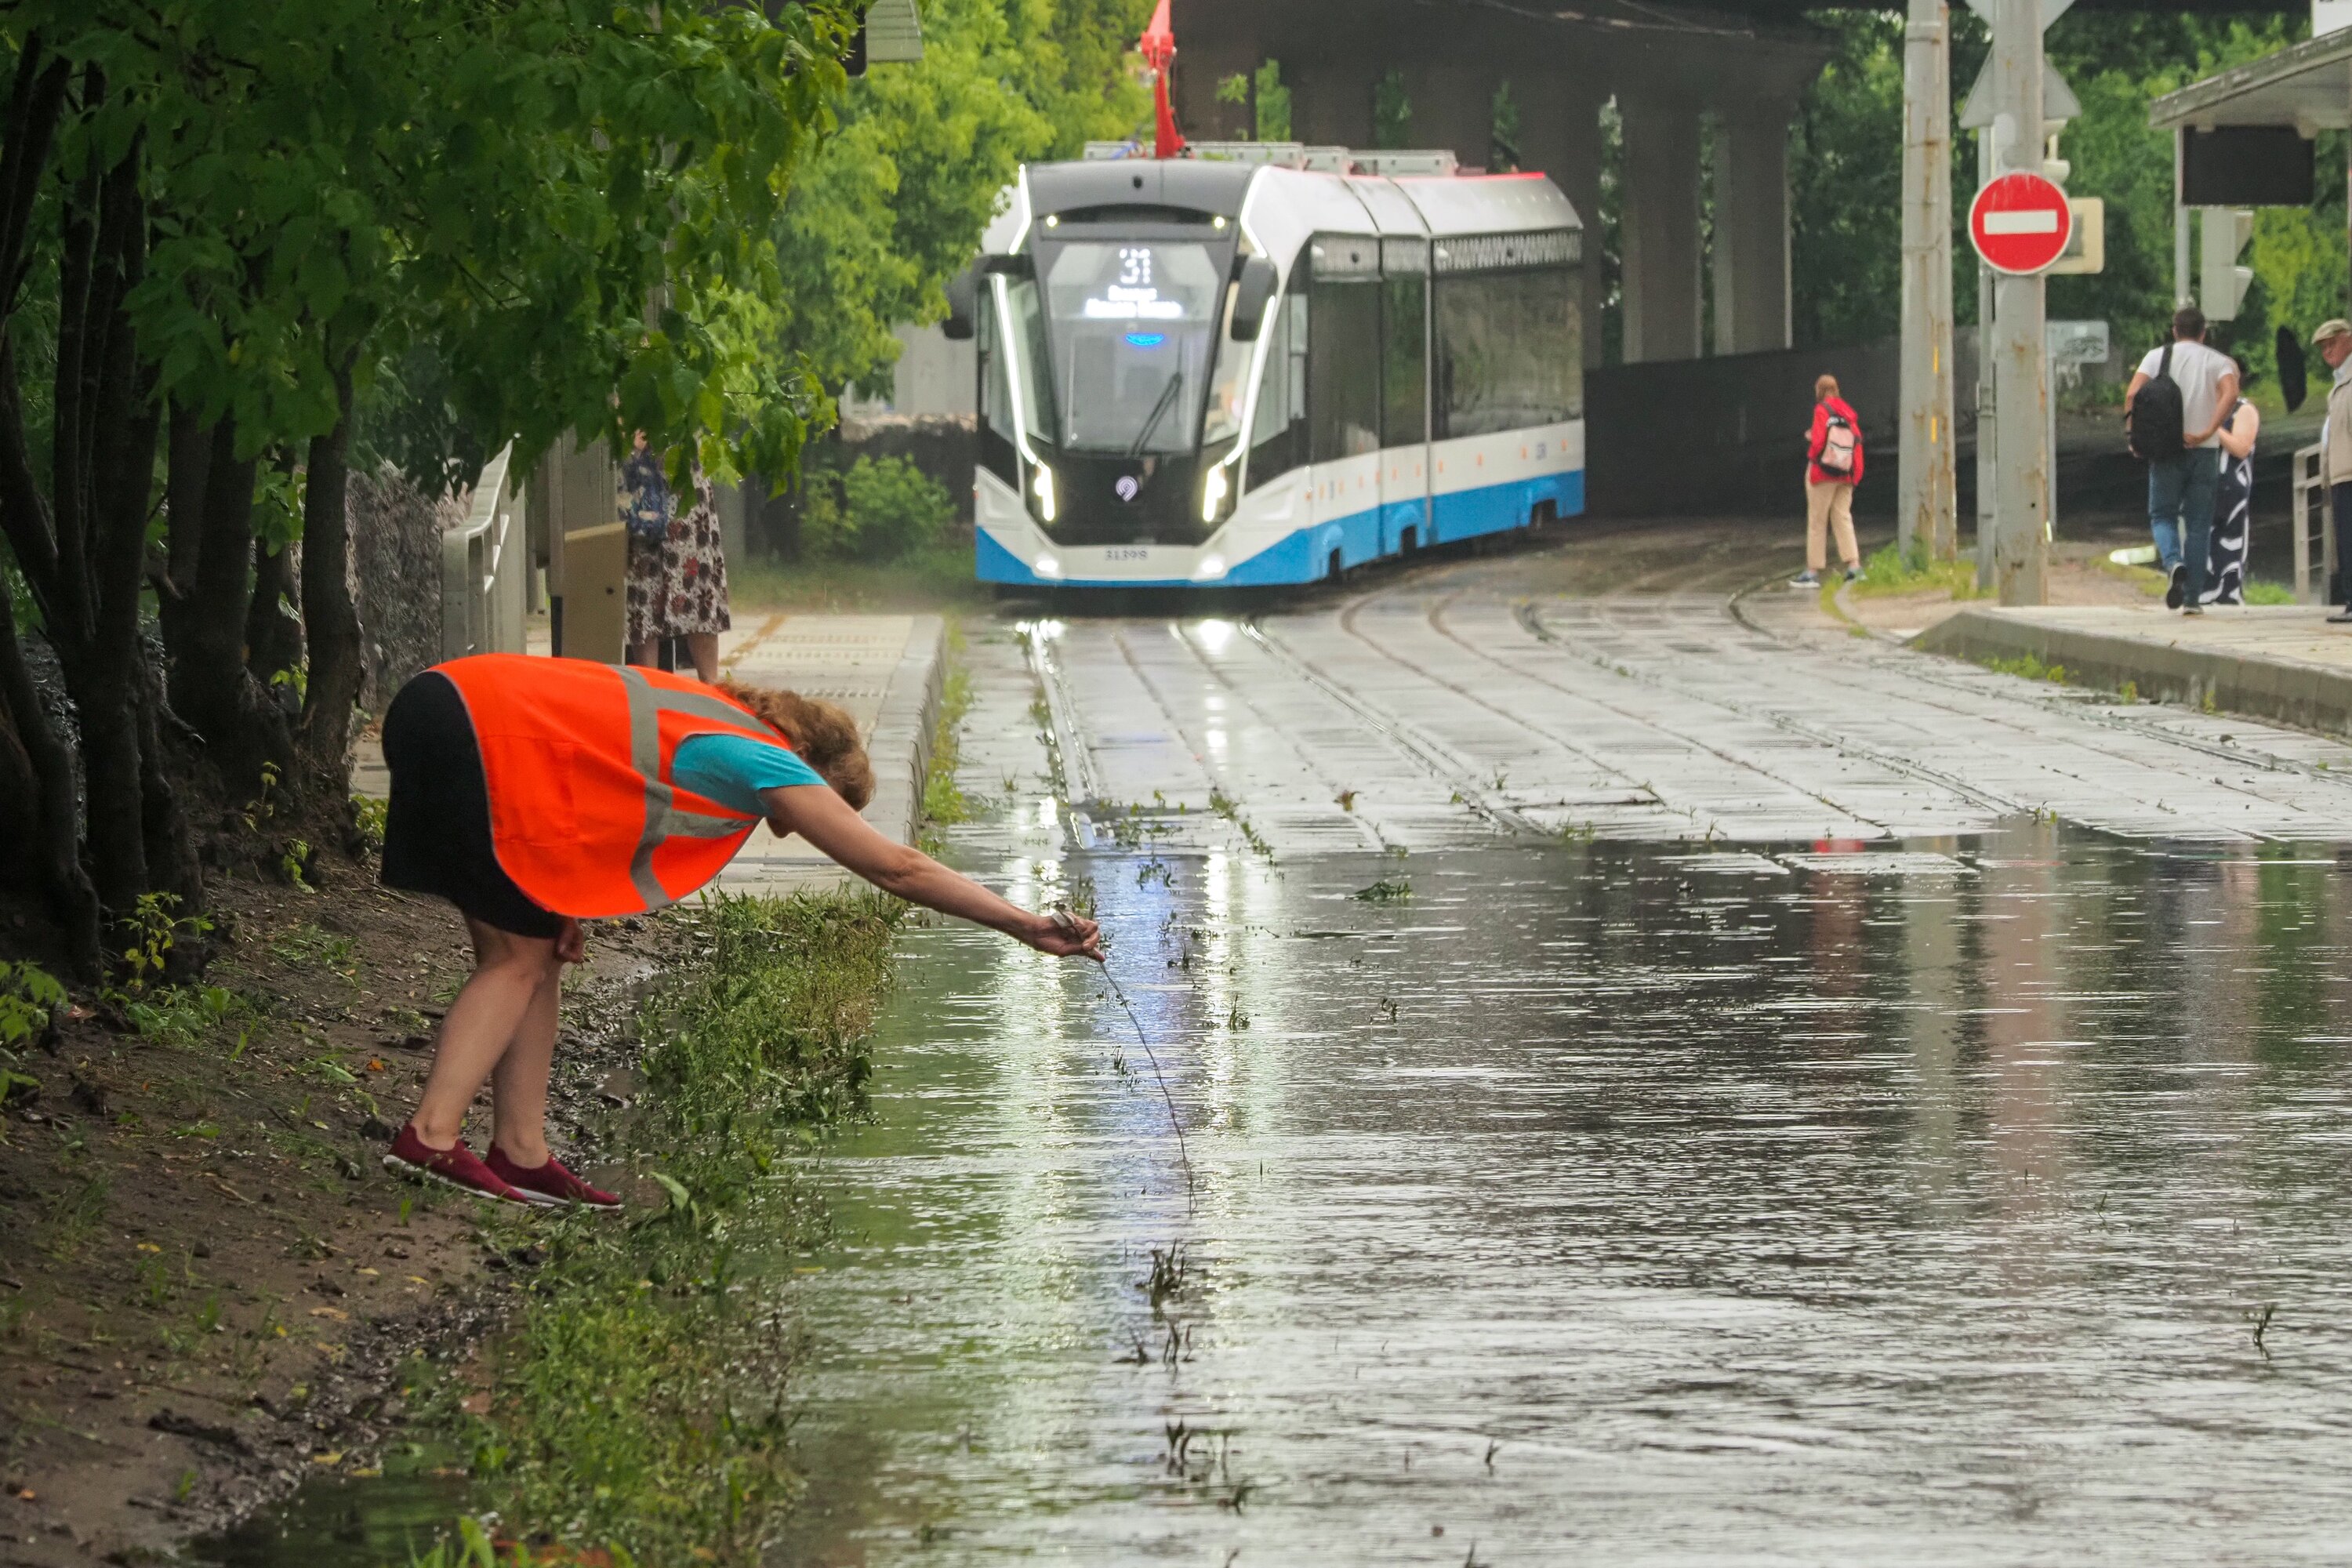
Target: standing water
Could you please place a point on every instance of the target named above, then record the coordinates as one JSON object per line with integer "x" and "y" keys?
{"x": 1978, "y": 1201}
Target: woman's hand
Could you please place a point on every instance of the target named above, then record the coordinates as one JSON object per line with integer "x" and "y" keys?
{"x": 571, "y": 943}
{"x": 1065, "y": 935}
{"x": 825, "y": 820}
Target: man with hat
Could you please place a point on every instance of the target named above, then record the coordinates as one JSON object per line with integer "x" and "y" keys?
{"x": 2334, "y": 341}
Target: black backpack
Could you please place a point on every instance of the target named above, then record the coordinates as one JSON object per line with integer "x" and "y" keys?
{"x": 2156, "y": 426}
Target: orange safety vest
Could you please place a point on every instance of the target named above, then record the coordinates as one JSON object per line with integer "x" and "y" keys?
{"x": 577, "y": 756}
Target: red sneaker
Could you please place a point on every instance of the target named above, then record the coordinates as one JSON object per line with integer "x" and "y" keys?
{"x": 549, "y": 1184}
{"x": 454, "y": 1166}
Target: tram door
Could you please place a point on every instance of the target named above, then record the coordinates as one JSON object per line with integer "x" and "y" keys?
{"x": 1404, "y": 394}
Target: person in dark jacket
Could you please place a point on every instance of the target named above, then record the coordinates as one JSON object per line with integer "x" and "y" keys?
{"x": 1833, "y": 467}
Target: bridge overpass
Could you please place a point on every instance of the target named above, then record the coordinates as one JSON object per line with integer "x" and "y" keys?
{"x": 1745, "y": 62}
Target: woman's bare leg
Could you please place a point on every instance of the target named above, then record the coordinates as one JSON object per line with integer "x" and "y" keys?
{"x": 481, "y": 1024}
{"x": 646, "y": 653}
{"x": 518, "y": 1083}
{"x": 704, "y": 648}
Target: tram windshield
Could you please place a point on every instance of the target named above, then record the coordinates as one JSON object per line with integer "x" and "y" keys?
{"x": 1133, "y": 329}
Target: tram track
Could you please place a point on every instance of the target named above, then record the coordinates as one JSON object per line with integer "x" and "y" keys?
{"x": 1695, "y": 716}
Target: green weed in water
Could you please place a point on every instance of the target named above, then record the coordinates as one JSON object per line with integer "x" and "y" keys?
{"x": 1386, "y": 890}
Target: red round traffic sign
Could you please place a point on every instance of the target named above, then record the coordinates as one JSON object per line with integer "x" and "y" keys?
{"x": 2020, "y": 222}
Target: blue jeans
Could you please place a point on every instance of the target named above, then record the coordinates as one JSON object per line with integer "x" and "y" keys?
{"x": 2181, "y": 494}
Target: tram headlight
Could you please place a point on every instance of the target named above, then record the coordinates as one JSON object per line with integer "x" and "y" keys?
{"x": 1214, "y": 488}
{"x": 1040, "y": 488}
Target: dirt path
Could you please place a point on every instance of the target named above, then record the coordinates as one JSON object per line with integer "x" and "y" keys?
{"x": 209, "y": 1282}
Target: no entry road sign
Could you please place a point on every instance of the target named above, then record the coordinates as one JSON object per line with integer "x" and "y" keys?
{"x": 2020, "y": 222}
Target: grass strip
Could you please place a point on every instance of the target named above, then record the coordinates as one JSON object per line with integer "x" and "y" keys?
{"x": 635, "y": 1411}
{"x": 944, "y": 802}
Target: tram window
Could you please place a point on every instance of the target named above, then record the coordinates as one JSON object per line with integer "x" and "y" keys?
{"x": 999, "y": 358}
{"x": 1229, "y": 384}
{"x": 1510, "y": 351}
{"x": 1404, "y": 358}
{"x": 1278, "y": 429}
{"x": 1343, "y": 369}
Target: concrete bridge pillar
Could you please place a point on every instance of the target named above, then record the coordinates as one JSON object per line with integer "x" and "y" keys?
{"x": 1659, "y": 236}
{"x": 1330, "y": 100}
{"x": 1559, "y": 135}
{"x": 1751, "y": 228}
{"x": 1453, "y": 108}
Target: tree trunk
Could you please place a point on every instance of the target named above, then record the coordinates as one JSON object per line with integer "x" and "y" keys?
{"x": 210, "y": 685}
{"x": 328, "y": 616}
{"x": 55, "y": 838}
{"x": 171, "y": 844}
{"x": 103, "y": 460}
{"x": 186, "y": 467}
{"x": 273, "y": 637}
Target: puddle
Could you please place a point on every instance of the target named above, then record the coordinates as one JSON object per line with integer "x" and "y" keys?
{"x": 1592, "y": 1204}
{"x": 1659, "y": 1213}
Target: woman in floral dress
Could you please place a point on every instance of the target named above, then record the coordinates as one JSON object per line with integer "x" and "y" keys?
{"x": 677, "y": 583}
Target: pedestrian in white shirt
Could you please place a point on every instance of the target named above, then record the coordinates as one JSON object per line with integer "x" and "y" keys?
{"x": 2181, "y": 487}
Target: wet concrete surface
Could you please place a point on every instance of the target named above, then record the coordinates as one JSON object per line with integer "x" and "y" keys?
{"x": 1601, "y": 1204}
{"x": 1800, "y": 1101}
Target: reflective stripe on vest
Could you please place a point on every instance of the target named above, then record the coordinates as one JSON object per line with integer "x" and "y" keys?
{"x": 577, "y": 757}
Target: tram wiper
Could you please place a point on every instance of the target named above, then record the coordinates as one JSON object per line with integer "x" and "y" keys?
{"x": 1167, "y": 397}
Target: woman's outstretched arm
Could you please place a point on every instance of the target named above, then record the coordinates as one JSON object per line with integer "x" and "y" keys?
{"x": 824, "y": 819}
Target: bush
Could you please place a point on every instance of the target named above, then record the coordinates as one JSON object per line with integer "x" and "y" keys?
{"x": 879, "y": 509}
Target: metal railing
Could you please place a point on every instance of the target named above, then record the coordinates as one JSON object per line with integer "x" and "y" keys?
{"x": 486, "y": 570}
{"x": 2314, "y": 541}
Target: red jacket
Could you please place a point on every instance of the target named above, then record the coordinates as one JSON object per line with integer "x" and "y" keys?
{"x": 1819, "y": 438}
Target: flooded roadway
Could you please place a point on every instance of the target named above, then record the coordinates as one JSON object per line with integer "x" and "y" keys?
{"x": 1902, "y": 1117}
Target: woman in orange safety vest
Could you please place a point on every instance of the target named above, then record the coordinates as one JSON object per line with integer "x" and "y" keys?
{"x": 534, "y": 793}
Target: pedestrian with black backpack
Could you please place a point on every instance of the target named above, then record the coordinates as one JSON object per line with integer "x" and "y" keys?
{"x": 2172, "y": 422}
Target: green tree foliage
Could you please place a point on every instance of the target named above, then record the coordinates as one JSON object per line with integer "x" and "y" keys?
{"x": 222, "y": 218}
{"x": 876, "y": 509}
{"x": 1846, "y": 184}
{"x": 1845, "y": 179}
{"x": 1271, "y": 99}
{"x": 895, "y": 203}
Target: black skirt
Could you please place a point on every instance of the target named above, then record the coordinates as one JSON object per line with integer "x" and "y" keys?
{"x": 436, "y": 835}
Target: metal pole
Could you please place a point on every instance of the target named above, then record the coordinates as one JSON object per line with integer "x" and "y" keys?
{"x": 1925, "y": 492}
{"x": 2184, "y": 286}
{"x": 1988, "y": 397}
{"x": 2022, "y": 542}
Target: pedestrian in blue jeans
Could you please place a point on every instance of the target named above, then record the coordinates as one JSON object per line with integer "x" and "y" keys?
{"x": 2181, "y": 488}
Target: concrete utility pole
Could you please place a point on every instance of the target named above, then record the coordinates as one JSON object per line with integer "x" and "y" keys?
{"x": 1988, "y": 397}
{"x": 2021, "y": 363}
{"x": 1925, "y": 499}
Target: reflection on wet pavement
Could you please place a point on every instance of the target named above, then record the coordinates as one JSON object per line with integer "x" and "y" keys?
{"x": 1608, "y": 1203}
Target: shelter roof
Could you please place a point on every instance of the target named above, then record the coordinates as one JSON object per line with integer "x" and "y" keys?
{"x": 2308, "y": 86}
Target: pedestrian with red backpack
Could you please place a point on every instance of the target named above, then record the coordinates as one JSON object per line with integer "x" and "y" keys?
{"x": 1833, "y": 467}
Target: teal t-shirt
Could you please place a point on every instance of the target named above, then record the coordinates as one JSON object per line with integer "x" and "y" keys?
{"x": 733, "y": 769}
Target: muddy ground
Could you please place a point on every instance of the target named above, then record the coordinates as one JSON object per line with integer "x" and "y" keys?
{"x": 208, "y": 1281}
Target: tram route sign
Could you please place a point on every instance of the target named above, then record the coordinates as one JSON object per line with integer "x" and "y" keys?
{"x": 2020, "y": 222}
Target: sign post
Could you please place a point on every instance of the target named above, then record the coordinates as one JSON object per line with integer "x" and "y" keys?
{"x": 2019, "y": 224}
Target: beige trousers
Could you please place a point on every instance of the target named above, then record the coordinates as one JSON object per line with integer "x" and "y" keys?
{"x": 1829, "y": 505}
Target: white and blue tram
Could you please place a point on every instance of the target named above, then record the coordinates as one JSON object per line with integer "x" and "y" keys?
{"x": 1207, "y": 374}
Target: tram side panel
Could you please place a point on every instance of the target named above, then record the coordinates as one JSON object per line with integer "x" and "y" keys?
{"x": 1507, "y": 397}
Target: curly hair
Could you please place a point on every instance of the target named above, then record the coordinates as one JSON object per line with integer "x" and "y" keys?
{"x": 824, "y": 736}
